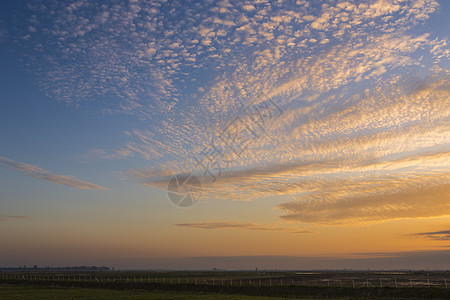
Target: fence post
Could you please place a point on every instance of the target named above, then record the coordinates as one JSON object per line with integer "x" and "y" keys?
{"x": 445, "y": 280}
{"x": 410, "y": 282}
{"x": 270, "y": 281}
{"x": 281, "y": 281}
{"x": 381, "y": 283}
{"x": 240, "y": 281}
{"x": 340, "y": 282}
{"x": 259, "y": 279}
{"x": 395, "y": 282}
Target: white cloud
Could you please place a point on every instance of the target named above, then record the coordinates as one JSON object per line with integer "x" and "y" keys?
{"x": 39, "y": 173}
{"x": 340, "y": 72}
{"x": 248, "y": 7}
{"x": 13, "y": 217}
{"x": 214, "y": 225}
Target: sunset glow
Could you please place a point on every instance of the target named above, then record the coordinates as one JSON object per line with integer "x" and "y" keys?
{"x": 317, "y": 133}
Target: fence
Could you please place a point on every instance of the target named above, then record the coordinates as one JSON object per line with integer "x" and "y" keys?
{"x": 256, "y": 281}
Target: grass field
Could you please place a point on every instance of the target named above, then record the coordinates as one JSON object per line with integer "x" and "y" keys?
{"x": 225, "y": 285}
{"x": 36, "y": 292}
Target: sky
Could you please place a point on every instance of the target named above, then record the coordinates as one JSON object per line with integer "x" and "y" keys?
{"x": 229, "y": 134}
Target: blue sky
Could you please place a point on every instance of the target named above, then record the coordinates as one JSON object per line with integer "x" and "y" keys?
{"x": 103, "y": 102}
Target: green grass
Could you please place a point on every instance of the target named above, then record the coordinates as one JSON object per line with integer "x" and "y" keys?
{"x": 32, "y": 292}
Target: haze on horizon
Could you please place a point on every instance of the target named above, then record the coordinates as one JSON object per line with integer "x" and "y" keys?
{"x": 103, "y": 102}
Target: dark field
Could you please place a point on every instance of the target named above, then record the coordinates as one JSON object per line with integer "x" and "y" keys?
{"x": 225, "y": 285}
{"x": 50, "y": 293}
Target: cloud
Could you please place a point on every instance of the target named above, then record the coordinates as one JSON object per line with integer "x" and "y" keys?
{"x": 6, "y": 217}
{"x": 443, "y": 235}
{"x": 364, "y": 97}
{"x": 336, "y": 193}
{"x": 248, "y": 7}
{"x": 133, "y": 58}
{"x": 343, "y": 117}
{"x": 409, "y": 204}
{"x": 102, "y": 154}
{"x": 39, "y": 173}
{"x": 239, "y": 225}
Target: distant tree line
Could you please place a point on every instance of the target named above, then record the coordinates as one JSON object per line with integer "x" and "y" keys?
{"x": 48, "y": 268}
